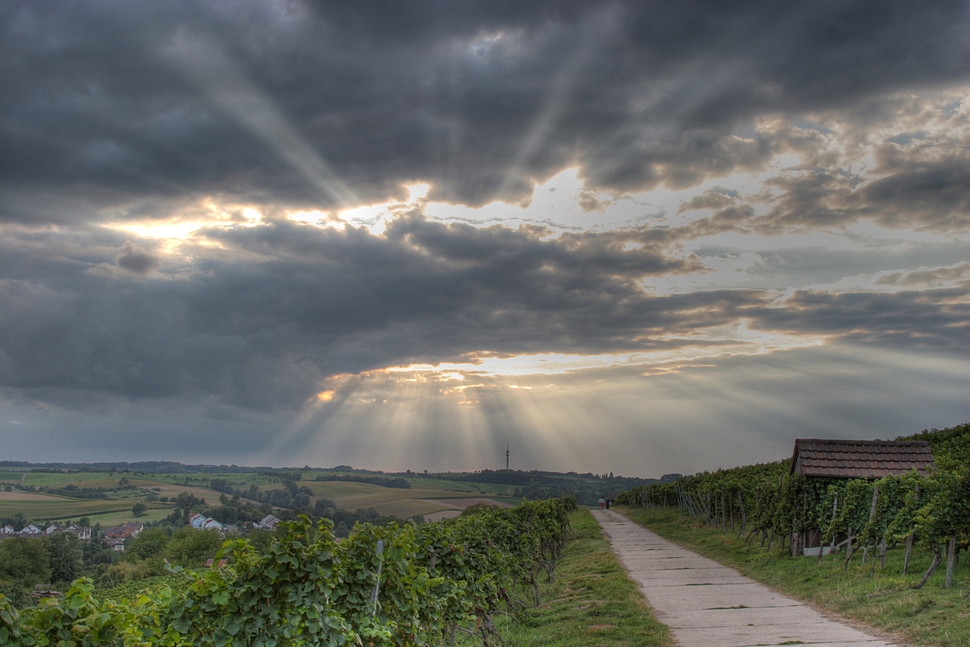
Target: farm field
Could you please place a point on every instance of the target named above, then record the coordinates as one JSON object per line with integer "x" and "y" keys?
{"x": 434, "y": 495}
{"x": 399, "y": 502}
{"x": 109, "y": 519}
{"x": 53, "y": 508}
{"x": 429, "y": 496}
{"x": 430, "y": 481}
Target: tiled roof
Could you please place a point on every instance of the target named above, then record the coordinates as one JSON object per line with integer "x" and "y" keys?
{"x": 860, "y": 458}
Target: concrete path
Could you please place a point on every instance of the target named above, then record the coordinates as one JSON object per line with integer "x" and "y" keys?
{"x": 709, "y": 605}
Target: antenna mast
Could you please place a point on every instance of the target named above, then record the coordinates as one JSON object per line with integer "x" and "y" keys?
{"x": 506, "y": 456}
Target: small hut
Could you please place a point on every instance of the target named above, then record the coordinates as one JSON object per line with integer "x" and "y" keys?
{"x": 856, "y": 459}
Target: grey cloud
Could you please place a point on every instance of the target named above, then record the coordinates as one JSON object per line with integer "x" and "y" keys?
{"x": 933, "y": 195}
{"x": 924, "y": 277}
{"x": 136, "y": 260}
{"x": 910, "y": 192}
{"x": 262, "y": 321}
{"x": 925, "y": 319}
{"x": 451, "y": 94}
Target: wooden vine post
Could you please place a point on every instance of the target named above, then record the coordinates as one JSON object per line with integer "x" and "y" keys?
{"x": 909, "y": 538}
{"x": 723, "y": 516}
{"x": 950, "y": 560}
{"x": 872, "y": 517}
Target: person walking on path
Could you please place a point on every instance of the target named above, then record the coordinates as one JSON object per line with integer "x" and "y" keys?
{"x": 706, "y": 604}
{"x": 602, "y": 503}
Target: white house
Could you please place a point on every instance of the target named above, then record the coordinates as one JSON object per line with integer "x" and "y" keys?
{"x": 30, "y": 530}
{"x": 51, "y": 529}
{"x": 81, "y": 532}
{"x": 7, "y": 530}
{"x": 211, "y": 524}
{"x": 269, "y": 522}
{"x": 199, "y": 522}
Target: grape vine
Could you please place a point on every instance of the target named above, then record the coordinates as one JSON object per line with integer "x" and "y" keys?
{"x": 425, "y": 583}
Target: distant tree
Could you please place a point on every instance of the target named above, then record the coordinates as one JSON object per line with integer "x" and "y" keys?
{"x": 66, "y": 557}
{"x": 97, "y": 552}
{"x": 149, "y": 543}
{"x": 24, "y": 561}
{"x": 191, "y": 547}
{"x": 84, "y": 521}
{"x": 139, "y": 509}
{"x": 290, "y": 487}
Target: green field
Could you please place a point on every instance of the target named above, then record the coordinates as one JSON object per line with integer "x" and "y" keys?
{"x": 398, "y": 502}
{"x": 432, "y": 482}
{"x": 56, "y": 508}
{"x": 428, "y": 494}
{"x": 109, "y": 519}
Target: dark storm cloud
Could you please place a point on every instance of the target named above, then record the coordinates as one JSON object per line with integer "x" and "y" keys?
{"x": 136, "y": 260}
{"x": 277, "y": 308}
{"x": 106, "y": 104}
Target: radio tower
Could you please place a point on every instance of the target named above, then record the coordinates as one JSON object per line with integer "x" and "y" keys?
{"x": 506, "y": 456}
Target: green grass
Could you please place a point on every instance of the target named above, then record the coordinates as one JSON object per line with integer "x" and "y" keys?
{"x": 591, "y": 601}
{"x": 933, "y": 615}
{"x": 63, "y": 508}
{"x": 109, "y": 519}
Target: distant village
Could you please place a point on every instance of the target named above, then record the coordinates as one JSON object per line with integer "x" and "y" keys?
{"x": 116, "y": 536}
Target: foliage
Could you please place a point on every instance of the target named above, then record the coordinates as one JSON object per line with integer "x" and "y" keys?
{"x": 23, "y": 563}
{"x": 66, "y": 557}
{"x": 586, "y": 488}
{"x": 191, "y": 547}
{"x": 768, "y": 500}
{"x": 310, "y": 589}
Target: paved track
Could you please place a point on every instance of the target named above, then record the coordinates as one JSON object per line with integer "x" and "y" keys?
{"x": 709, "y": 605}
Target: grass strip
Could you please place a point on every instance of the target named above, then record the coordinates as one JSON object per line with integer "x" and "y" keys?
{"x": 881, "y": 598}
{"x": 590, "y": 602}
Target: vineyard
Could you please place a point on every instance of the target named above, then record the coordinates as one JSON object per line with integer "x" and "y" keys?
{"x": 768, "y": 503}
{"x": 391, "y": 585}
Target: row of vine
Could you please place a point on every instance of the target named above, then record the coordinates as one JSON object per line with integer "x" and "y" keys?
{"x": 389, "y": 585}
{"x": 931, "y": 512}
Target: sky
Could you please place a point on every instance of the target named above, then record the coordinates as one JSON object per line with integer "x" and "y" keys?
{"x": 630, "y": 237}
